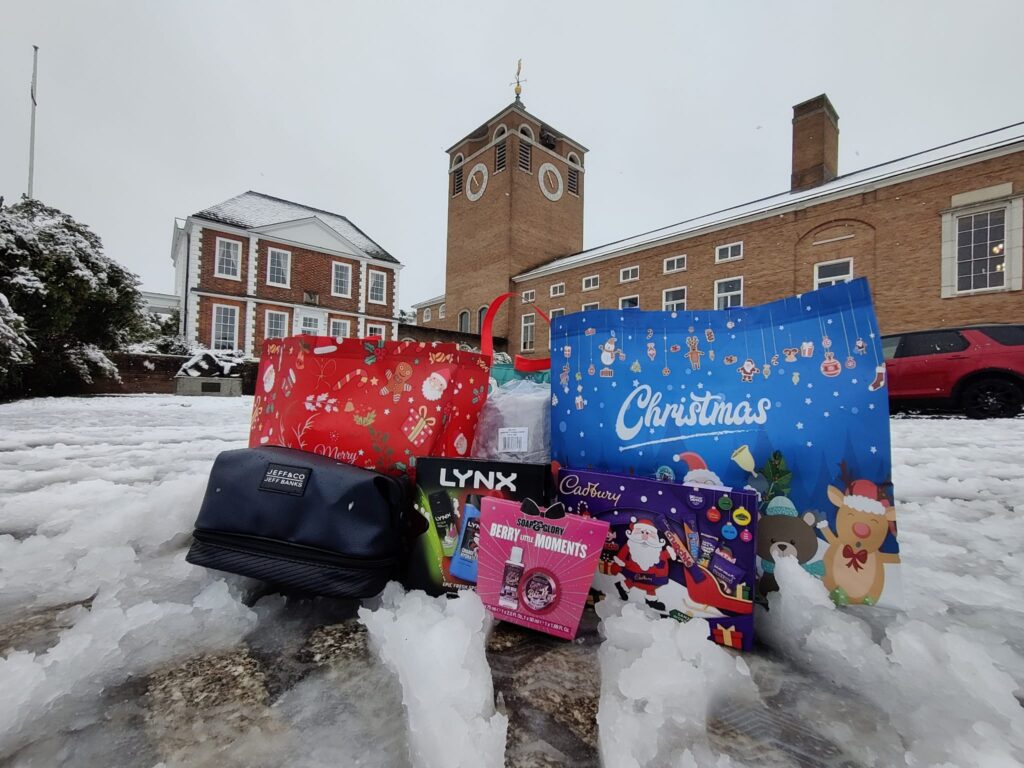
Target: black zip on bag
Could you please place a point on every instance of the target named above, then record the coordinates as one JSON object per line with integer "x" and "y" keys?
{"x": 302, "y": 521}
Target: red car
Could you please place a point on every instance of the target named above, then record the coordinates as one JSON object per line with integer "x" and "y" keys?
{"x": 978, "y": 370}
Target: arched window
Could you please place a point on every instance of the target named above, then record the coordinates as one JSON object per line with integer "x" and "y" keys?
{"x": 573, "y": 180}
{"x": 464, "y": 321}
{"x": 526, "y": 149}
{"x": 500, "y": 148}
{"x": 457, "y": 175}
{"x": 480, "y": 318}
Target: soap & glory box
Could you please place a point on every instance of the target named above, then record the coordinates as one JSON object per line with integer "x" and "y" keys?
{"x": 536, "y": 565}
{"x": 448, "y": 494}
{"x": 688, "y": 551}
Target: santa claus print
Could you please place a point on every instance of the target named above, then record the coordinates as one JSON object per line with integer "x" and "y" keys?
{"x": 748, "y": 370}
{"x": 644, "y": 558}
{"x": 435, "y": 384}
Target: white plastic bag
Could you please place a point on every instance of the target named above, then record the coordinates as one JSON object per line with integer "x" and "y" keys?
{"x": 515, "y": 423}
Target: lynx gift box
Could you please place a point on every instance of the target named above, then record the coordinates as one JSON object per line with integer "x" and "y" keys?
{"x": 448, "y": 495}
{"x": 688, "y": 551}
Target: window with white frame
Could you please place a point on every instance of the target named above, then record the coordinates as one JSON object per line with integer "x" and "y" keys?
{"x": 981, "y": 250}
{"x": 629, "y": 274}
{"x": 279, "y": 268}
{"x": 377, "y": 292}
{"x": 629, "y": 302}
{"x": 229, "y": 259}
{"x": 277, "y": 324}
{"x": 558, "y": 289}
{"x": 341, "y": 280}
{"x": 440, "y": 312}
{"x": 340, "y": 329}
{"x": 464, "y": 321}
{"x": 376, "y": 329}
{"x": 982, "y": 243}
{"x": 225, "y": 327}
{"x": 427, "y": 315}
{"x": 591, "y": 283}
{"x": 674, "y": 299}
{"x": 529, "y": 296}
{"x": 526, "y": 337}
{"x": 729, "y": 293}
{"x": 560, "y": 312}
{"x": 729, "y": 252}
{"x": 591, "y": 305}
{"x": 310, "y": 324}
{"x": 675, "y": 264}
{"x": 833, "y": 272}
{"x": 480, "y": 315}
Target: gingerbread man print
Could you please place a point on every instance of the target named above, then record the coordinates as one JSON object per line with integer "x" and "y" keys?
{"x": 693, "y": 354}
{"x": 398, "y": 382}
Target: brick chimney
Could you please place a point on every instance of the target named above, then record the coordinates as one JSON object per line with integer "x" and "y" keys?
{"x": 815, "y": 143}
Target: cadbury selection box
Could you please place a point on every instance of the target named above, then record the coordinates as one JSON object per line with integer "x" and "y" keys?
{"x": 688, "y": 551}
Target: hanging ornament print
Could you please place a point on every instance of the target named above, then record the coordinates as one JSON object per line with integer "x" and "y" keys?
{"x": 830, "y": 366}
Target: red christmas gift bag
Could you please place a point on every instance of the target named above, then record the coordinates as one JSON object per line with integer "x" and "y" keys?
{"x": 367, "y": 402}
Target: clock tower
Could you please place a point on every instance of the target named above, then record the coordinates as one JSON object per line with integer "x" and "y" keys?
{"x": 515, "y": 201}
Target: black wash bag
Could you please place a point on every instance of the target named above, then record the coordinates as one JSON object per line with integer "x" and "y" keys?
{"x": 302, "y": 521}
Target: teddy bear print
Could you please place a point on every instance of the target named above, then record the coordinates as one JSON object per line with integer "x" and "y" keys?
{"x": 781, "y": 532}
{"x": 790, "y": 354}
{"x": 398, "y": 382}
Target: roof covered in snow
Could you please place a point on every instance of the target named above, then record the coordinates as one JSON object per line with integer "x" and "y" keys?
{"x": 928, "y": 161}
{"x": 428, "y": 302}
{"x": 255, "y": 209}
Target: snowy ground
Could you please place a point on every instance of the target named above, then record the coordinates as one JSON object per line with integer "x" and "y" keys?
{"x": 104, "y": 629}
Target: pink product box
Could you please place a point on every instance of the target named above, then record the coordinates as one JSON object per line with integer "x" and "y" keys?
{"x": 535, "y": 566}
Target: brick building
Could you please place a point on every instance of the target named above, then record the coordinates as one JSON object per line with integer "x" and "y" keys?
{"x": 938, "y": 233}
{"x": 256, "y": 266}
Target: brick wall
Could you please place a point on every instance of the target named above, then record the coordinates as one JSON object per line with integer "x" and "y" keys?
{"x": 310, "y": 270}
{"x": 896, "y": 243}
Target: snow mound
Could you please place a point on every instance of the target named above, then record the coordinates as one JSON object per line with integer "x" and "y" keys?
{"x": 108, "y": 644}
{"x": 940, "y": 689}
{"x": 436, "y": 646}
{"x": 659, "y": 679}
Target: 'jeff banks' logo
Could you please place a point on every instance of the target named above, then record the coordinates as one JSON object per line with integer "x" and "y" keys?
{"x": 643, "y": 409}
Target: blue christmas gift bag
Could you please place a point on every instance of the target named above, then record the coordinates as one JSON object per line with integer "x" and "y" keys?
{"x": 788, "y": 399}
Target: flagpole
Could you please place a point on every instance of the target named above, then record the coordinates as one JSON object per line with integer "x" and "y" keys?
{"x": 32, "y": 139}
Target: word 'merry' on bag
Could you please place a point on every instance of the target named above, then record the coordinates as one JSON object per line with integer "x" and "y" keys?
{"x": 367, "y": 402}
{"x": 788, "y": 399}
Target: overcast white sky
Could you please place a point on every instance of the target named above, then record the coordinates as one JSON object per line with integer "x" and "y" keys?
{"x": 151, "y": 109}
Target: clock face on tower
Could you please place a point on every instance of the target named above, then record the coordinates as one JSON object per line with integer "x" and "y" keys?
{"x": 476, "y": 182}
{"x": 550, "y": 181}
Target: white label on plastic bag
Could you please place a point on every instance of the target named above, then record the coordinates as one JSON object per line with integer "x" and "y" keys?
{"x": 513, "y": 439}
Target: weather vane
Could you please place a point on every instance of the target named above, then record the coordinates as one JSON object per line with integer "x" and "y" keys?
{"x": 518, "y": 83}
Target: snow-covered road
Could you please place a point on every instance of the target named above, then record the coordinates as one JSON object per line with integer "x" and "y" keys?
{"x": 97, "y": 498}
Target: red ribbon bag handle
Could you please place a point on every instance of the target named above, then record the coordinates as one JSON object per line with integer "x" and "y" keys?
{"x": 522, "y": 364}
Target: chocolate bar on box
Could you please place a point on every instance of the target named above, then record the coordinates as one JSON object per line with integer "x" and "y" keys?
{"x": 448, "y": 494}
{"x": 688, "y": 551}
